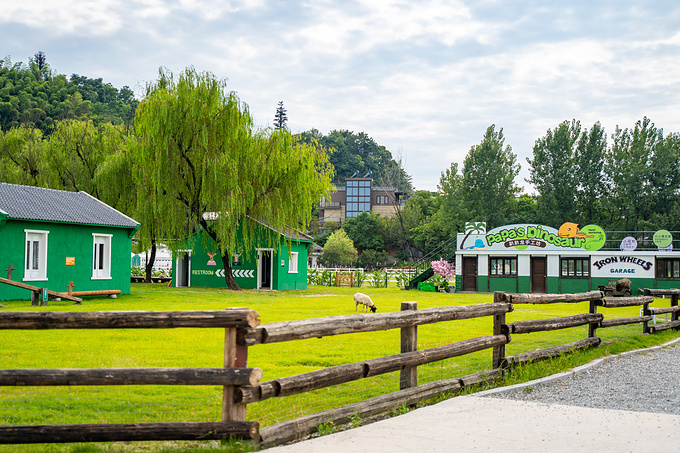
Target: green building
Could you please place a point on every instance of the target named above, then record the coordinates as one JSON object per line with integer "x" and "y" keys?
{"x": 531, "y": 258}
{"x": 263, "y": 267}
{"x": 52, "y": 237}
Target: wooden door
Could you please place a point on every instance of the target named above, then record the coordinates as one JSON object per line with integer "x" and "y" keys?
{"x": 538, "y": 274}
{"x": 469, "y": 273}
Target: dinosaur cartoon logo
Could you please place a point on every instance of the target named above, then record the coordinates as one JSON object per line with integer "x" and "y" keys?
{"x": 570, "y": 230}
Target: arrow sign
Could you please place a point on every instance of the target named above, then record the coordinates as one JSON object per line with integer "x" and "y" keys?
{"x": 238, "y": 273}
{"x": 242, "y": 273}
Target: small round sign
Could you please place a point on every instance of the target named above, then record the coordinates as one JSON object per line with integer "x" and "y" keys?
{"x": 628, "y": 244}
{"x": 662, "y": 238}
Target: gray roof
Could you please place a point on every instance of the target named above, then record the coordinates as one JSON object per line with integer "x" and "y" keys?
{"x": 37, "y": 203}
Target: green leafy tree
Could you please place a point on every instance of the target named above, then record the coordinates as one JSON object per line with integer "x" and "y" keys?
{"x": 524, "y": 210}
{"x": 202, "y": 154}
{"x": 365, "y": 231}
{"x": 358, "y": 154}
{"x": 450, "y": 218}
{"x": 588, "y": 170}
{"x": 339, "y": 250}
{"x": 22, "y": 156}
{"x": 76, "y": 150}
{"x": 489, "y": 172}
{"x": 629, "y": 170}
{"x": 552, "y": 173}
{"x": 372, "y": 259}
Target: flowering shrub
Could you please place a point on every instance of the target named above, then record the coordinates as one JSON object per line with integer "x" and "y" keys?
{"x": 444, "y": 268}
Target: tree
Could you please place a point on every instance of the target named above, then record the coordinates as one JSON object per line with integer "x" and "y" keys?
{"x": 629, "y": 170}
{"x": 372, "y": 259}
{"x": 452, "y": 211}
{"x": 201, "y": 154}
{"x": 589, "y": 174}
{"x": 489, "y": 172}
{"x": 339, "y": 250}
{"x": 22, "y": 152}
{"x": 280, "y": 118}
{"x": 552, "y": 173}
{"x": 76, "y": 150}
{"x": 358, "y": 154}
{"x": 365, "y": 231}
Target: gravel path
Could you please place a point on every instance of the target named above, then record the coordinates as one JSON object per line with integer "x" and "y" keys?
{"x": 648, "y": 381}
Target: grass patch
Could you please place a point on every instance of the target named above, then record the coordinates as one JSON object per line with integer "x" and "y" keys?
{"x": 204, "y": 348}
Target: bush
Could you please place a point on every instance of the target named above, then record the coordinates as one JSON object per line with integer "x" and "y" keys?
{"x": 359, "y": 278}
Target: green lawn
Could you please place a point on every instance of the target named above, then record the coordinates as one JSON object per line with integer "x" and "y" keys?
{"x": 204, "y": 348}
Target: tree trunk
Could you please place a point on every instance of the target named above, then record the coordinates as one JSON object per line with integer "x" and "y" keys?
{"x": 149, "y": 263}
{"x": 228, "y": 276}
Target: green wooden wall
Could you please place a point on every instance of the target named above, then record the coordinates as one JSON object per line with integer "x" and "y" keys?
{"x": 64, "y": 240}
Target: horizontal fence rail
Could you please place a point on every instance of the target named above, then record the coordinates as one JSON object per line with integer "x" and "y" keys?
{"x": 337, "y": 325}
{"x": 127, "y": 432}
{"x": 131, "y": 376}
{"x": 128, "y": 319}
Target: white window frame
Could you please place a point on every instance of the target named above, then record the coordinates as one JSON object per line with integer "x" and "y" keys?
{"x": 38, "y": 274}
{"x": 293, "y": 263}
{"x": 101, "y": 256}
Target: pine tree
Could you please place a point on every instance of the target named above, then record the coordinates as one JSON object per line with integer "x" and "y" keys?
{"x": 280, "y": 118}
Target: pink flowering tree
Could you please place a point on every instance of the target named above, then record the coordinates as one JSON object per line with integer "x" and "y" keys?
{"x": 443, "y": 272}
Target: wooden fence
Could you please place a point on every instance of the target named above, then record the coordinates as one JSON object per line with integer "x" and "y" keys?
{"x": 242, "y": 385}
{"x": 233, "y": 422}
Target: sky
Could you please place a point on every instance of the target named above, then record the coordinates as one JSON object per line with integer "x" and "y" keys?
{"x": 423, "y": 78}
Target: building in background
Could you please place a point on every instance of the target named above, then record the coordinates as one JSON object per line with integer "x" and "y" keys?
{"x": 356, "y": 196}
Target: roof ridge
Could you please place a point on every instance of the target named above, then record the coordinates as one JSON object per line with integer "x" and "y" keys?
{"x": 108, "y": 206}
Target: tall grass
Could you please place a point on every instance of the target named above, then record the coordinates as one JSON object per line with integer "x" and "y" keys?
{"x": 205, "y": 348}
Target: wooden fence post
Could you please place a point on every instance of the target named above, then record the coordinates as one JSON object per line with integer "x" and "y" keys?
{"x": 235, "y": 356}
{"x": 645, "y": 312}
{"x": 409, "y": 343}
{"x": 498, "y": 322}
{"x": 592, "y": 328}
{"x": 674, "y": 303}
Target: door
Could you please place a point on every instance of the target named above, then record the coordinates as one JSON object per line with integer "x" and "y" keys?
{"x": 264, "y": 269}
{"x": 538, "y": 274}
{"x": 183, "y": 269}
{"x": 469, "y": 273}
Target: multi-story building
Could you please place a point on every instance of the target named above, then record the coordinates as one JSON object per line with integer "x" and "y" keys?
{"x": 359, "y": 195}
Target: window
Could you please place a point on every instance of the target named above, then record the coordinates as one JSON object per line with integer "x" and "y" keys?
{"x": 575, "y": 267}
{"x": 381, "y": 199}
{"x": 293, "y": 264}
{"x": 668, "y": 268}
{"x": 503, "y": 267}
{"x": 36, "y": 255}
{"x": 101, "y": 255}
{"x": 358, "y": 197}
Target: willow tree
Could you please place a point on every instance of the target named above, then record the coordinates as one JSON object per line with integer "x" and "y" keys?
{"x": 208, "y": 168}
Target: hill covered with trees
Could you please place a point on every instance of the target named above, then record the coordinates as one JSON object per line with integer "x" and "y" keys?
{"x": 35, "y": 95}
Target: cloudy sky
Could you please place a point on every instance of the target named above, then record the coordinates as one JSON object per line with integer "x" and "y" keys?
{"x": 423, "y": 78}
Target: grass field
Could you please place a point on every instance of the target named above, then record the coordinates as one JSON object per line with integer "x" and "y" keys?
{"x": 204, "y": 348}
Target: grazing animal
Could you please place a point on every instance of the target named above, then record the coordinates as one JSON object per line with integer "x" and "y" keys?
{"x": 365, "y": 302}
